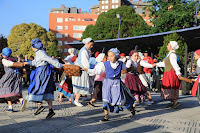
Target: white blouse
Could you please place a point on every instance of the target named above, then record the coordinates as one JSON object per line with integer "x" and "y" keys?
{"x": 100, "y": 67}
{"x": 145, "y": 64}
{"x": 173, "y": 61}
{"x": 7, "y": 63}
{"x": 130, "y": 62}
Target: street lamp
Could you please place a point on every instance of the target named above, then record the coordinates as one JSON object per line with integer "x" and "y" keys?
{"x": 118, "y": 16}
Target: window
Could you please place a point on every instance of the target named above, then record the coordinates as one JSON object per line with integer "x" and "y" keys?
{"x": 116, "y": 6}
{"x": 66, "y": 27}
{"x": 59, "y": 20}
{"x": 66, "y": 42}
{"x": 106, "y": 7}
{"x": 113, "y": 6}
{"x": 70, "y": 19}
{"x": 66, "y": 19}
{"x": 103, "y": 7}
{"x": 79, "y": 19}
{"x": 58, "y": 35}
{"x": 103, "y": 2}
{"x": 98, "y": 9}
{"x": 77, "y": 35}
{"x": 79, "y": 27}
{"x": 66, "y": 34}
{"x": 65, "y": 50}
{"x": 114, "y": 1}
{"x": 59, "y": 27}
{"x": 106, "y": 2}
{"x": 59, "y": 43}
{"x": 95, "y": 19}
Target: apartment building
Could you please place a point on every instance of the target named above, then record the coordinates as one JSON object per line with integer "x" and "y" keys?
{"x": 68, "y": 24}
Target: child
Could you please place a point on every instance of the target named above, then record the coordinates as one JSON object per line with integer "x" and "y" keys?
{"x": 65, "y": 85}
{"x": 11, "y": 82}
{"x": 113, "y": 89}
{"x": 196, "y": 86}
{"x": 132, "y": 80}
{"x": 97, "y": 93}
{"x": 42, "y": 85}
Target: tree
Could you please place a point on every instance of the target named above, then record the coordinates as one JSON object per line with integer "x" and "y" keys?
{"x": 180, "y": 52}
{"x": 107, "y": 25}
{"x": 21, "y": 36}
{"x": 168, "y": 15}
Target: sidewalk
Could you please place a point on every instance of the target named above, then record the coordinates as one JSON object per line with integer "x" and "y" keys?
{"x": 154, "y": 118}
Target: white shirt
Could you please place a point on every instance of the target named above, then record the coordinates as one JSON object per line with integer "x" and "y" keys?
{"x": 100, "y": 67}
{"x": 68, "y": 58}
{"x": 173, "y": 61}
{"x": 130, "y": 62}
{"x": 145, "y": 64}
{"x": 7, "y": 63}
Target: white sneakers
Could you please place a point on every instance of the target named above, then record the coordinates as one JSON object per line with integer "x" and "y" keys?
{"x": 78, "y": 104}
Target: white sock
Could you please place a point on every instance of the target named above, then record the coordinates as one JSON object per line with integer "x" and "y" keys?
{"x": 21, "y": 100}
{"x": 10, "y": 107}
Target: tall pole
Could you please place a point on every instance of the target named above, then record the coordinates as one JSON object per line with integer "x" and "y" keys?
{"x": 195, "y": 19}
{"x": 119, "y": 27}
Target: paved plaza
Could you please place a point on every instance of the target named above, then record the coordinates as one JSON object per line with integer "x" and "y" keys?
{"x": 156, "y": 118}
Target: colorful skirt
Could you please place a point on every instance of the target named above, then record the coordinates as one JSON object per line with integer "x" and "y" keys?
{"x": 97, "y": 93}
{"x": 83, "y": 85}
{"x": 42, "y": 84}
{"x": 10, "y": 85}
{"x": 135, "y": 85}
{"x": 65, "y": 86}
{"x": 116, "y": 96}
{"x": 170, "y": 86}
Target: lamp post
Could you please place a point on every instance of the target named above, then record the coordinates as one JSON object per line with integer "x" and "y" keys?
{"x": 118, "y": 16}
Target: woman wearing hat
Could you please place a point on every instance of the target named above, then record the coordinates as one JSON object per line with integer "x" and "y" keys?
{"x": 83, "y": 85}
{"x": 170, "y": 82}
{"x": 42, "y": 85}
{"x": 11, "y": 82}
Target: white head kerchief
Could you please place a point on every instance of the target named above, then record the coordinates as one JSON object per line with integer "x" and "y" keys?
{"x": 174, "y": 45}
{"x": 87, "y": 40}
{"x": 100, "y": 57}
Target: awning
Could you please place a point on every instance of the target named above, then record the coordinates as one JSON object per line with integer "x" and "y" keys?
{"x": 190, "y": 35}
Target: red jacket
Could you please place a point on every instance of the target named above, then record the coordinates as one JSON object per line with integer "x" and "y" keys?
{"x": 150, "y": 61}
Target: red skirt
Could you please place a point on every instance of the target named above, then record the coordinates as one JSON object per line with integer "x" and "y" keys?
{"x": 133, "y": 82}
{"x": 170, "y": 86}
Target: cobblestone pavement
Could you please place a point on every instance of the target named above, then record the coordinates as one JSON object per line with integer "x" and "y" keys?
{"x": 154, "y": 118}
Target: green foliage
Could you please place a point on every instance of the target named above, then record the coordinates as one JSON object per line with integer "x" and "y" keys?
{"x": 21, "y": 36}
{"x": 168, "y": 15}
{"x": 107, "y": 25}
{"x": 180, "y": 52}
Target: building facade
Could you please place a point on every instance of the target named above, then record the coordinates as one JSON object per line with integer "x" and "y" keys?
{"x": 68, "y": 24}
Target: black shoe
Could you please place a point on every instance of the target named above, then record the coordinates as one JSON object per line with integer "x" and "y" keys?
{"x": 51, "y": 113}
{"x": 175, "y": 105}
{"x": 133, "y": 111}
{"x": 104, "y": 119}
{"x": 91, "y": 104}
{"x": 39, "y": 110}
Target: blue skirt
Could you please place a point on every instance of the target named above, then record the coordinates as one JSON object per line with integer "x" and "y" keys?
{"x": 42, "y": 85}
{"x": 116, "y": 96}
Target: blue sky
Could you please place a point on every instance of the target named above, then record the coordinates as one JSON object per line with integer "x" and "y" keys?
{"x": 14, "y": 12}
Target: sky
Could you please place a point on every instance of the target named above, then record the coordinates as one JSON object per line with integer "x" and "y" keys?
{"x": 14, "y": 12}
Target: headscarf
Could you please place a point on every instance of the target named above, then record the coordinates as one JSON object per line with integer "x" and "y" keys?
{"x": 100, "y": 57}
{"x": 174, "y": 45}
{"x": 73, "y": 59}
{"x": 131, "y": 53}
{"x": 141, "y": 55}
{"x": 87, "y": 40}
{"x": 72, "y": 51}
{"x": 36, "y": 43}
{"x": 6, "y": 52}
{"x": 97, "y": 53}
{"x": 116, "y": 52}
{"x": 198, "y": 51}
